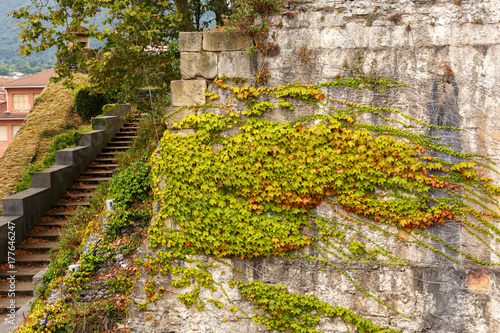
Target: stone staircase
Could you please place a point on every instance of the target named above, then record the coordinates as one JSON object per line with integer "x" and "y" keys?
{"x": 31, "y": 256}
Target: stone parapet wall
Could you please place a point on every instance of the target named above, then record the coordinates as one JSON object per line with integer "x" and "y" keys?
{"x": 207, "y": 55}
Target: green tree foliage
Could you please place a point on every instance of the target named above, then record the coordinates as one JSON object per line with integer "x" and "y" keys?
{"x": 137, "y": 37}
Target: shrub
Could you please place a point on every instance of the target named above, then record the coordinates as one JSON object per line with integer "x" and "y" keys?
{"x": 88, "y": 103}
{"x": 131, "y": 183}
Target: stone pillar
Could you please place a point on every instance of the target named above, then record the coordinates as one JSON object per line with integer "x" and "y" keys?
{"x": 207, "y": 55}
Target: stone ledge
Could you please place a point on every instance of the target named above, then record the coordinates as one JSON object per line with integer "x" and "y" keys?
{"x": 190, "y": 41}
{"x": 222, "y": 41}
{"x": 31, "y": 203}
{"x": 53, "y": 176}
{"x": 20, "y": 232}
{"x": 92, "y": 138}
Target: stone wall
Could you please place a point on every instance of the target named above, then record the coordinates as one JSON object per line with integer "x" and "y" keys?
{"x": 447, "y": 52}
{"x": 209, "y": 55}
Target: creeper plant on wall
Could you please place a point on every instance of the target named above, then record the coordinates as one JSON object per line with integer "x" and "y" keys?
{"x": 256, "y": 196}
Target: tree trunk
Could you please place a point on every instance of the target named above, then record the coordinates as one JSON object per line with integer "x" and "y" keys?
{"x": 183, "y": 8}
{"x": 220, "y": 8}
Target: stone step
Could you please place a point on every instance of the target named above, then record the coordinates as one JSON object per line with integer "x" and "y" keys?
{"x": 97, "y": 173}
{"x": 53, "y": 223}
{"x": 78, "y": 195}
{"x": 125, "y": 136}
{"x": 48, "y": 234}
{"x": 21, "y": 273}
{"x": 93, "y": 171}
{"x": 61, "y": 213}
{"x": 94, "y": 179}
{"x": 107, "y": 154}
{"x": 20, "y": 301}
{"x": 117, "y": 148}
{"x": 22, "y": 288}
{"x": 117, "y": 145}
{"x": 37, "y": 246}
{"x": 86, "y": 187}
{"x": 72, "y": 204}
{"x": 121, "y": 142}
{"x": 97, "y": 166}
{"x": 33, "y": 259}
{"x": 127, "y": 132}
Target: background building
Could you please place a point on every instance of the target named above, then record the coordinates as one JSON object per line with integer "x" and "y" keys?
{"x": 19, "y": 97}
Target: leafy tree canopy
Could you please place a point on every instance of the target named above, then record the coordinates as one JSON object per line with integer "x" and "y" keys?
{"x": 137, "y": 37}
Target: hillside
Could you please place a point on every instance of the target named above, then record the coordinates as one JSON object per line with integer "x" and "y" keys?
{"x": 51, "y": 115}
{"x": 9, "y": 33}
{"x": 10, "y": 59}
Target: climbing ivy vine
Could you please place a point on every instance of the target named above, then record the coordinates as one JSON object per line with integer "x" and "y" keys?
{"x": 254, "y": 193}
{"x": 298, "y": 313}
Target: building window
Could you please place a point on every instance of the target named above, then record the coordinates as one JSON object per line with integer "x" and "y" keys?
{"x": 3, "y": 133}
{"x": 21, "y": 102}
{"x": 15, "y": 129}
{"x": 35, "y": 96}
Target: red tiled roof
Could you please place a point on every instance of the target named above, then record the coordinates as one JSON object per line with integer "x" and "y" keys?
{"x": 5, "y": 80}
{"x": 11, "y": 115}
{"x": 35, "y": 80}
{"x": 3, "y": 107}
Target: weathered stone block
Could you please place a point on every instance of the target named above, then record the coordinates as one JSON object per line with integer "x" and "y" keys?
{"x": 196, "y": 64}
{"x": 222, "y": 41}
{"x": 188, "y": 92}
{"x": 174, "y": 114}
{"x": 190, "y": 41}
{"x": 237, "y": 64}
{"x": 296, "y": 39}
